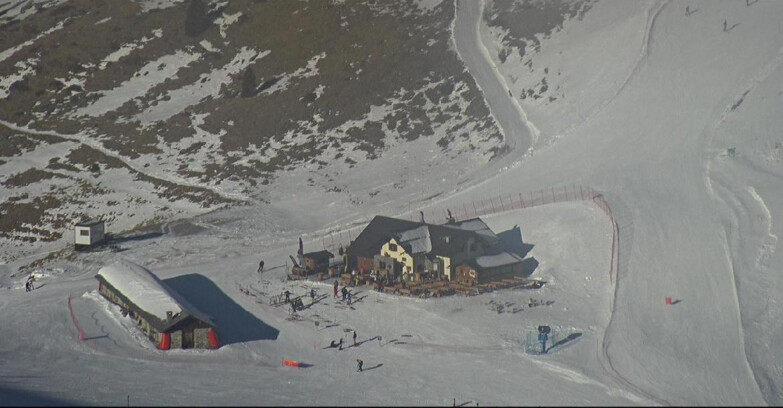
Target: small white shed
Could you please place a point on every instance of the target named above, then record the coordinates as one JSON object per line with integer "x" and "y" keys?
{"x": 88, "y": 233}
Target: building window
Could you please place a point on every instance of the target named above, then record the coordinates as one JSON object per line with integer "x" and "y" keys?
{"x": 435, "y": 266}
{"x": 84, "y": 233}
{"x": 381, "y": 265}
{"x": 393, "y": 247}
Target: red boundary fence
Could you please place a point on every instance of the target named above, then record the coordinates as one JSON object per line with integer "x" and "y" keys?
{"x": 493, "y": 205}
{"x": 75, "y": 320}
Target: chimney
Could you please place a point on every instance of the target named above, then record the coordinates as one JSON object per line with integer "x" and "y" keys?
{"x": 169, "y": 315}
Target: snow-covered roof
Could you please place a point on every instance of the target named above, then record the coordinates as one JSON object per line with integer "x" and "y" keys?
{"x": 417, "y": 240}
{"x": 476, "y": 225}
{"x": 89, "y": 223}
{"x": 501, "y": 259}
{"x": 142, "y": 288}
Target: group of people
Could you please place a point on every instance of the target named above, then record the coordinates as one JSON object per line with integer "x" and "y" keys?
{"x": 344, "y": 291}
{"x": 339, "y": 344}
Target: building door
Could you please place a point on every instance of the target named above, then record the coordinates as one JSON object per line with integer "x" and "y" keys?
{"x": 187, "y": 338}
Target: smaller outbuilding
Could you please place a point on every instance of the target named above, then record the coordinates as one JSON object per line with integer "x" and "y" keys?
{"x": 488, "y": 268}
{"x": 161, "y": 313}
{"x": 88, "y": 234}
{"x": 315, "y": 262}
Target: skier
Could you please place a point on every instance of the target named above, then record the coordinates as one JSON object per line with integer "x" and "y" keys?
{"x": 312, "y": 294}
{"x": 359, "y": 364}
{"x": 335, "y": 288}
{"x": 344, "y": 292}
{"x": 340, "y": 345}
{"x": 349, "y": 298}
{"x": 724, "y": 25}
{"x": 687, "y": 10}
{"x": 354, "y": 338}
{"x": 287, "y": 296}
{"x": 260, "y": 266}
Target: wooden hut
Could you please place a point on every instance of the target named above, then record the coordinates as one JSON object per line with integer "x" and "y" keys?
{"x": 162, "y": 314}
{"x": 316, "y": 262}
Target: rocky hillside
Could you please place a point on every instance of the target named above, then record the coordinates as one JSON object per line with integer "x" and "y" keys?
{"x": 163, "y": 109}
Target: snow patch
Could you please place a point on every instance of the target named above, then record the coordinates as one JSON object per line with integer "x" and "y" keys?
{"x": 150, "y": 75}
{"x": 208, "y": 85}
{"x": 24, "y": 68}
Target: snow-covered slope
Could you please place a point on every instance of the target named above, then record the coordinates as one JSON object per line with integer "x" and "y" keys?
{"x": 670, "y": 116}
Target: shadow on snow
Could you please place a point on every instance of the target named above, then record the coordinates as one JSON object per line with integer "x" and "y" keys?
{"x": 234, "y": 324}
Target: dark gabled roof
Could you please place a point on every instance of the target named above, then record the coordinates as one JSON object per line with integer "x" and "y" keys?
{"x": 436, "y": 239}
{"x": 458, "y": 239}
{"x": 511, "y": 241}
{"x": 319, "y": 255}
{"x": 377, "y": 233}
{"x": 480, "y": 227}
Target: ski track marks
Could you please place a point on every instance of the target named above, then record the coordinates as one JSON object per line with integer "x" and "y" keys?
{"x": 644, "y": 53}
{"x": 721, "y": 190}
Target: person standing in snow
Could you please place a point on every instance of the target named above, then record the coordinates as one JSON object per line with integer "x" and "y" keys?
{"x": 359, "y": 364}
{"x": 30, "y": 284}
{"x": 312, "y": 294}
{"x": 724, "y": 25}
{"x": 344, "y": 292}
{"x": 349, "y": 298}
{"x": 335, "y": 288}
{"x": 260, "y": 266}
{"x": 340, "y": 345}
{"x": 287, "y": 296}
{"x": 354, "y": 338}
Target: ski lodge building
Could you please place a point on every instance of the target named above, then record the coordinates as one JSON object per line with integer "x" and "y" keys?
{"x": 466, "y": 252}
{"x": 162, "y": 314}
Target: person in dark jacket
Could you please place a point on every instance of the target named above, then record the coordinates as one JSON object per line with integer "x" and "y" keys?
{"x": 354, "y": 338}
{"x": 359, "y": 364}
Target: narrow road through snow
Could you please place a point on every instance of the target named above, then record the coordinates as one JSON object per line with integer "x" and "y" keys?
{"x": 518, "y": 132}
